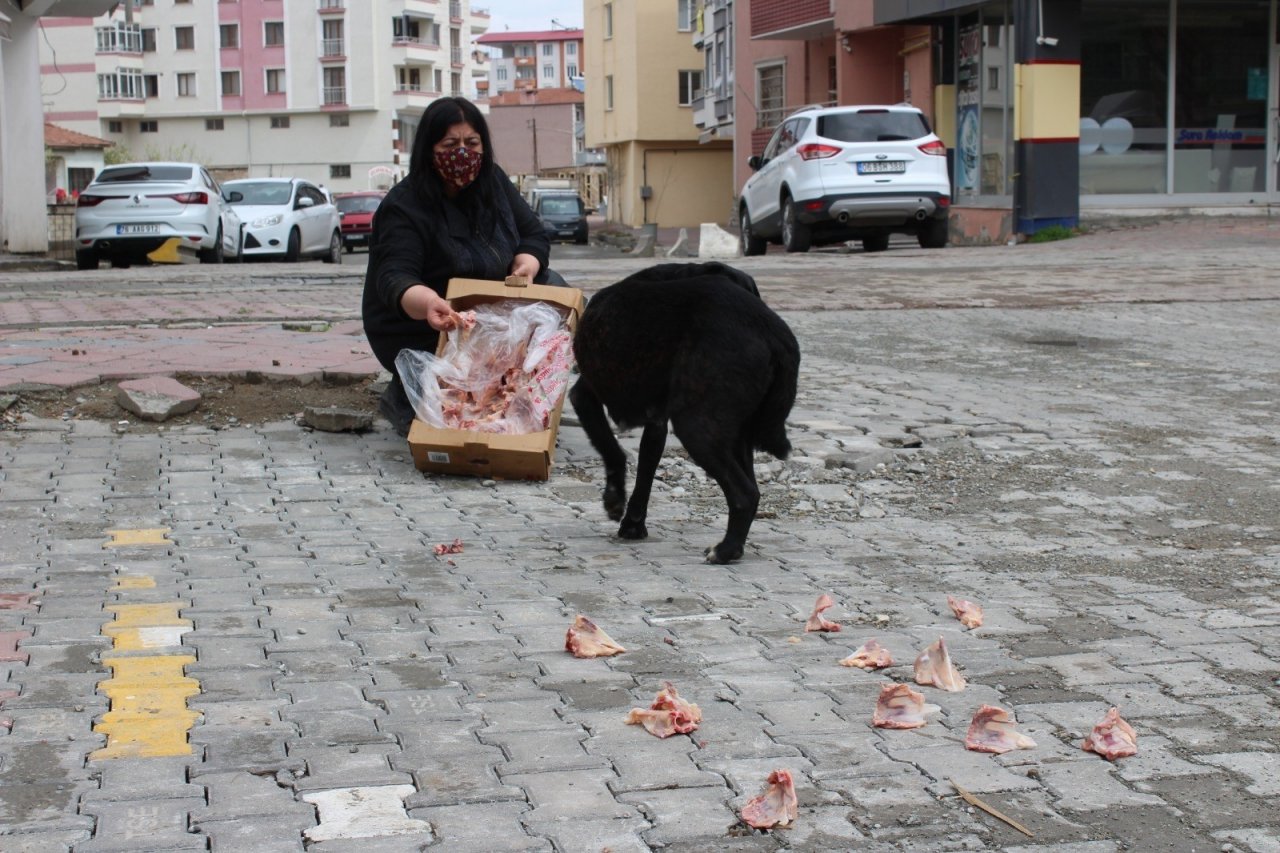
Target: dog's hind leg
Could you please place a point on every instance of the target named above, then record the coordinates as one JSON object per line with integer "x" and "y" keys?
{"x": 723, "y": 462}
{"x": 652, "y": 442}
{"x": 596, "y": 425}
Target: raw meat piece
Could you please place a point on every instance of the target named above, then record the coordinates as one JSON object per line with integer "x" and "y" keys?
{"x": 585, "y": 640}
{"x": 870, "y": 655}
{"x": 900, "y": 707}
{"x": 454, "y": 547}
{"x": 969, "y": 614}
{"x": 1112, "y": 738}
{"x": 934, "y": 667}
{"x": 775, "y": 806}
{"x": 817, "y": 622}
{"x": 992, "y": 731}
{"x": 668, "y": 715}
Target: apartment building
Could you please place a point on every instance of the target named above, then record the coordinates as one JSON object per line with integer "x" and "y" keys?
{"x": 327, "y": 90}
{"x": 544, "y": 59}
{"x": 643, "y": 77}
{"x": 713, "y": 36}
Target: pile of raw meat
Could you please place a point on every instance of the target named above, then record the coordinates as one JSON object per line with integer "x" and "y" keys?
{"x": 504, "y": 371}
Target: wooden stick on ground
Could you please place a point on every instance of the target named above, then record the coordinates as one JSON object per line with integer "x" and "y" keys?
{"x": 974, "y": 801}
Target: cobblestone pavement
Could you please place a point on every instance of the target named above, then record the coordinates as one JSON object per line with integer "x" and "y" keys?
{"x": 1088, "y": 449}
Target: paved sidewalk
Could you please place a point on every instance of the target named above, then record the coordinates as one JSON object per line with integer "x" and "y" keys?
{"x": 1082, "y": 441}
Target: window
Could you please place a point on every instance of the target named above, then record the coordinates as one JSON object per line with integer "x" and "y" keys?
{"x": 502, "y": 72}
{"x": 339, "y": 120}
{"x": 608, "y": 21}
{"x": 335, "y": 86}
{"x": 409, "y": 79}
{"x": 149, "y": 40}
{"x": 608, "y": 92}
{"x": 279, "y": 122}
{"x": 151, "y": 85}
{"x": 571, "y": 48}
{"x": 186, "y": 84}
{"x": 184, "y": 38}
{"x": 524, "y": 50}
{"x": 331, "y": 38}
{"x": 125, "y": 84}
{"x": 684, "y": 15}
{"x": 548, "y": 49}
{"x": 548, "y": 71}
{"x": 404, "y": 29}
{"x": 340, "y": 170}
{"x": 275, "y": 81}
{"x": 690, "y": 87}
{"x": 273, "y": 33}
{"x": 78, "y": 178}
{"x": 115, "y": 127}
{"x": 151, "y": 126}
{"x": 993, "y": 77}
{"x": 228, "y": 35}
{"x": 230, "y": 82}
{"x": 214, "y": 124}
{"x": 770, "y": 95}
{"x": 571, "y": 70}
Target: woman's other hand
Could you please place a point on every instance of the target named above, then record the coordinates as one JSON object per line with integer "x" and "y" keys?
{"x": 525, "y": 265}
{"x": 422, "y": 303}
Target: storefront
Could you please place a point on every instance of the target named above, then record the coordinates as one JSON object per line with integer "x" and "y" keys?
{"x": 1070, "y": 105}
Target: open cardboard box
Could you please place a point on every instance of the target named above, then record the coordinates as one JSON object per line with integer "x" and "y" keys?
{"x": 502, "y": 457}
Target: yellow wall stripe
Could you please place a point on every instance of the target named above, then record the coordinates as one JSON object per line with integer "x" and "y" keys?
{"x": 1047, "y": 105}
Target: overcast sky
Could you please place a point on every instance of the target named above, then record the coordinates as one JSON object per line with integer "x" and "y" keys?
{"x": 518, "y": 15}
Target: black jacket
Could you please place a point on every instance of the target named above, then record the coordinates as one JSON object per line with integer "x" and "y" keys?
{"x": 411, "y": 244}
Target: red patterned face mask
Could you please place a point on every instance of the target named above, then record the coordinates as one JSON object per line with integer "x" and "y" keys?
{"x": 459, "y": 166}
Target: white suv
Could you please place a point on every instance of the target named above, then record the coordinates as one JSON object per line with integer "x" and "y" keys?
{"x": 833, "y": 174}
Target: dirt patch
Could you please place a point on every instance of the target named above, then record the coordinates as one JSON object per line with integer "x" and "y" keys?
{"x": 223, "y": 402}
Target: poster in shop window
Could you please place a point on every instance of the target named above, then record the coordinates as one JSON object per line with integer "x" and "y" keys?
{"x": 968, "y": 96}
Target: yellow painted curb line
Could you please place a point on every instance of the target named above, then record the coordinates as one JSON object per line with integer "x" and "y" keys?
{"x": 124, "y": 538}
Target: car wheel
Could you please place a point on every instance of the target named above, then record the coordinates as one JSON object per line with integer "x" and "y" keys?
{"x": 213, "y": 255}
{"x": 349, "y": 248}
{"x": 751, "y": 243}
{"x": 878, "y": 243}
{"x": 86, "y": 259}
{"x": 121, "y": 263}
{"x": 934, "y": 234}
{"x": 334, "y": 255}
{"x": 293, "y": 249}
{"x": 795, "y": 234}
{"x": 581, "y": 238}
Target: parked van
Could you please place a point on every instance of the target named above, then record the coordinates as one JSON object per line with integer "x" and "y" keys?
{"x": 563, "y": 215}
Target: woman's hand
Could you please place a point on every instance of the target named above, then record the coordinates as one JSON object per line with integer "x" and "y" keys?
{"x": 525, "y": 265}
{"x": 422, "y": 303}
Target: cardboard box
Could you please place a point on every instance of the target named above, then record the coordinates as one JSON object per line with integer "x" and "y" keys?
{"x": 502, "y": 457}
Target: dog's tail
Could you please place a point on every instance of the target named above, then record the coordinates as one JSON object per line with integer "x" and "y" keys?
{"x": 770, "y": 427}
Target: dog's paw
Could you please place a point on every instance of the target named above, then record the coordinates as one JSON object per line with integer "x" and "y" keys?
{"x": 718, "y": 555}
{"x": 633, "y": 530}
{"x": 615, "y": 504}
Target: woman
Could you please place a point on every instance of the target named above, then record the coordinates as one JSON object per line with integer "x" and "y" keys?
{"x": 457, "y": 215}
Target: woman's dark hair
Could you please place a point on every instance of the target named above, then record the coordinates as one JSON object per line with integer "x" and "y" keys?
{"x": 443, "y": 113}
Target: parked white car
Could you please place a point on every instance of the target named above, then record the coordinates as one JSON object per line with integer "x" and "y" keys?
{"x": 286, "y": 218}
{"x": 834, "y": 174}
{"x": 132, "y": 209}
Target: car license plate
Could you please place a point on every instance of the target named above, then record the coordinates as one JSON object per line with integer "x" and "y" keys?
{"x": 876, "y": 167}
{"x": 137, "y": 229}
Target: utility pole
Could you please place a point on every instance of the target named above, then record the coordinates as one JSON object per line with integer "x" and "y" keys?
{"x": 532, "y": 124}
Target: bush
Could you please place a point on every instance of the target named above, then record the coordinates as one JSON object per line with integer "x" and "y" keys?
{"x": 1053, "y": 232}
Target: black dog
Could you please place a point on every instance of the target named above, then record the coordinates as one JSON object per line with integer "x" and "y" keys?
{"x": 695, "y": 345}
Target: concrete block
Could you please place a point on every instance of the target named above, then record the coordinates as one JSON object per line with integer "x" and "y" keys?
{"x": 715, "y": 243}
{"x": 156, "y": 398}
{"x": 681, "y": 247}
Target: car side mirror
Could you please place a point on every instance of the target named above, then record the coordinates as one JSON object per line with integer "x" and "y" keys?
{"x": 235, "y": 196}
{"x": 306, "y": 201}
{"x": 754, "y": 162}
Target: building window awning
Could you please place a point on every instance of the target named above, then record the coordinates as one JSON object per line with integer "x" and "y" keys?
{"x": 802, "y": 32}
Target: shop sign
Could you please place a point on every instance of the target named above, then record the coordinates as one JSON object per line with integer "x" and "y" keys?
{"x": 968, "y": 101}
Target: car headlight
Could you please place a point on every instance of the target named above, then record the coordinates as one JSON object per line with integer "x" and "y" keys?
{"x": 268, "y": 221}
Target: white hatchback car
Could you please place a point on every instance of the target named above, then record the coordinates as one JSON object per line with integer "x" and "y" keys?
{"x": 833, "y": 174}
{"x": 130, "y": 210}
{"x": 286, "y": 218}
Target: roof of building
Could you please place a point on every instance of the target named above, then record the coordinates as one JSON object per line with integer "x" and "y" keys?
{"x": 61, "y": 137}
{"x": 530, "y": 35}
{"x": 535, "y": 97}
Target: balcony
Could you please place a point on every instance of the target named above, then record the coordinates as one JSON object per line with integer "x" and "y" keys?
{"x": 121, "y": 107}
{"x": 412, "y": 97}
{"x": 119, "y": 40}
{"x": 415, "y": 51}
{"x": 455, "y": 56}
{"x": 455, "y": 11}
{"x": 479, "y": 20}
{"x": 333, "y": 7}
{"x": 791, "y": 19}
{"x": 331, "y": 50}
{"x": 335, "y": 96}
